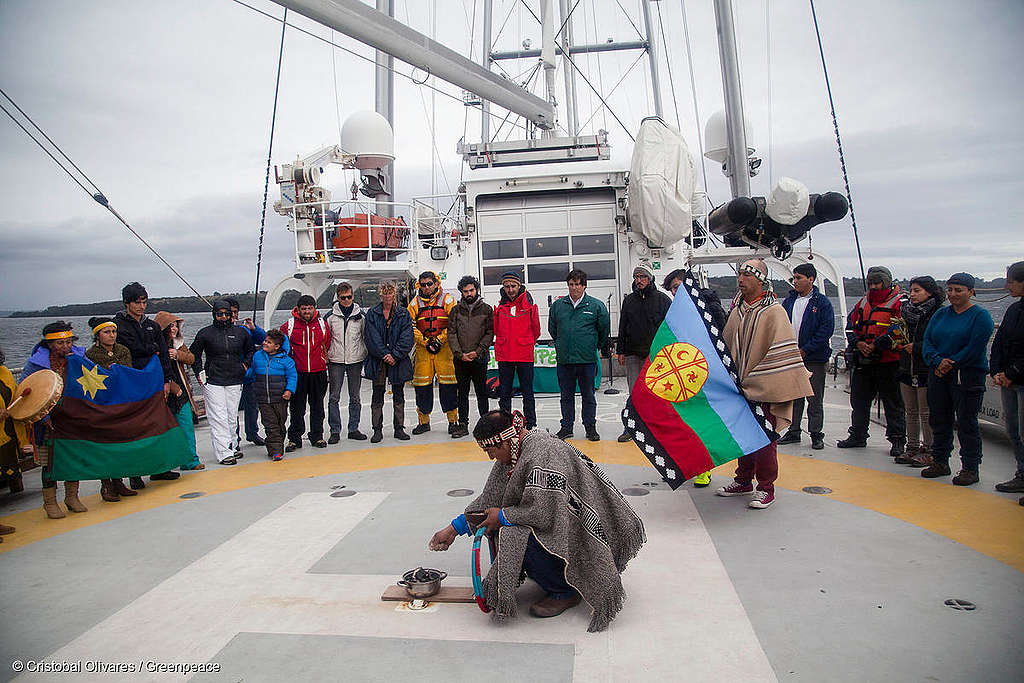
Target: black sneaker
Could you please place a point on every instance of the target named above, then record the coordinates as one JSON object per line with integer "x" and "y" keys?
{"x": 402, "y": 436}
{"x": 897, "y": 449}
{"x": 137, "y": 483}
{"x": 238, "y": 454}
{"x": 564, "y": 433}
{"x": 460, "y": 431}
{"x": 789, "y": 437}
{"x": 318, "y": 443}
{"x": 850, "y": 442}
{"x": 292, "y": 446}
{"x": 165, "y": 476}
{"x": 421, "y": 428}
{"x": 1015, "y": 485}
{"x": 335, "y": 438}
{"x": 624, "y": 437}
{"x": 355, "y": 436}
{"x": 936, "y": 469}
{"x": 230, "y": 460}
{"x": 257, "y": 440}
{"x": 377, "y": 437}
{"x": 818, "y": 442}
{"x": 592, "y": 434}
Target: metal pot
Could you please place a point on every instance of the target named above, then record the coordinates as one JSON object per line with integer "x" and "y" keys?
{"x": 422, "y": 583}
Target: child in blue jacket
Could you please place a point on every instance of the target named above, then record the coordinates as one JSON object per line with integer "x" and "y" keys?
{"x": 273, "y": 378}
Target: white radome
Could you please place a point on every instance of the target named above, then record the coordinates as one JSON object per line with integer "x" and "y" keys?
{"x": 368, "y": 136}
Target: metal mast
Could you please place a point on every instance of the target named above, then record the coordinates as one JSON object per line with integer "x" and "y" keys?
{"x": 571, "y": 123}
{"x": 652, "y": 56}
{"x": 736, "y": 164}
{"x": 384, "y": 102}
{"x": 547, "y": 55}
{"x": 485, "y": 62}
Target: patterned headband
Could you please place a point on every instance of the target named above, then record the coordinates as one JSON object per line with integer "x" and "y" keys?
{"x": 507, "y": 434}
{"x": 99, "y": 327}
{"x": 54, "y": 336}
{"x": 753, "y": 270}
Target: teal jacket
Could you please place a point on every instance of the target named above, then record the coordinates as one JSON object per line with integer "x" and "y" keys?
{"x": 579, "y": 333}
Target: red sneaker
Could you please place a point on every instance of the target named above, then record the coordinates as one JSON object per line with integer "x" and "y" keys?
{"x": 735, "y": 489}
{"x": 762, "y": 499}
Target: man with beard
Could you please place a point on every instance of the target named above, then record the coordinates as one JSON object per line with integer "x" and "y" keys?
{"x": 770, "y": 369}
{"x": 310, "y": 337}
{"x": 875, "y": 363}
{"x": 228, "y": 349}
{"x": 643, "y": 311}
{"x": 430, "y": 309}
{"x": 470, "y": 333}
{"x": 516, "y": 330}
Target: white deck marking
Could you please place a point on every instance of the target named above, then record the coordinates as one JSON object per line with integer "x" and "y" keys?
{"x": 256, "y": 582}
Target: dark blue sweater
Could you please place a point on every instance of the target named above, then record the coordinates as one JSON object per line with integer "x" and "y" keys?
{"x": 816, "y": 329}
{"x": 962, "y": 338}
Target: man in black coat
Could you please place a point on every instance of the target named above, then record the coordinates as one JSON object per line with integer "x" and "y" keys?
{"x": 642, "y": 313}
{"x": 1006, "y": 366}
{"x": 144, "y": 339}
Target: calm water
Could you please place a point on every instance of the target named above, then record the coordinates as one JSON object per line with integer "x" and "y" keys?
{"x": 19, "y": 335}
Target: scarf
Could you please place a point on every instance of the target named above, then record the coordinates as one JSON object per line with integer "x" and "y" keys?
{"x": 913, "y": 313}
{"x": 558, "y": 495}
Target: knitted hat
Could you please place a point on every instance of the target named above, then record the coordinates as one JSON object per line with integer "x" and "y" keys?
{"x": 962, "y": 279}
{"x": 644, "y": 268}
{"x": 512, "y": 275}
{"x": 880, "y": 274}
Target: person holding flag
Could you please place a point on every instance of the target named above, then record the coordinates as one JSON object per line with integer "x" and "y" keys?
{"x": 770, "y": 371}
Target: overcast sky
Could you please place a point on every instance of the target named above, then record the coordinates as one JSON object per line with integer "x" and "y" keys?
{"x": 167, "y": 106}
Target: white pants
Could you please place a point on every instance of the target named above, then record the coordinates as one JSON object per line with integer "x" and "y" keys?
{"x": 222, "y": 416}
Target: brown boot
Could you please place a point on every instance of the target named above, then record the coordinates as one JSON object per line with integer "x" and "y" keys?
{"x": 71, "y": 497}
{"x": 923, "y": 457}
{"x": 122, "y": 490}
{"x": 53, "y": 510}
{"x": 108, "y": 493}
{"x": 552, "y": 607}
{"x": 4, "y": 529}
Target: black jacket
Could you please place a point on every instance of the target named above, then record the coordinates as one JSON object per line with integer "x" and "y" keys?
{"x": 144, "y": 340}
{"x": 912, "y": 364}
{"x": 642, "y": 313}
{"x": 228, "y": 352}
{"x": 1008, "y": 347}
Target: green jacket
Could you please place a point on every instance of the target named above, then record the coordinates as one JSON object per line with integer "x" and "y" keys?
{"x": 579, "y": 333}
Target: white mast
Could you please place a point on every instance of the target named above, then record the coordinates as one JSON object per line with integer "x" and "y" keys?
{"x": 652, "y": 57}
{"x": 571, "y": 123}
{"x": 384, "y": 103}
{"x": 485, "y": 61}
{"x": 736, "y": 165}
{"x": 547, "y": 54}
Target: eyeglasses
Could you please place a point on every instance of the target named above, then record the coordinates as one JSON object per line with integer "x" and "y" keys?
{"x": 344, "y": 297}
{"x": 222, "y": 314}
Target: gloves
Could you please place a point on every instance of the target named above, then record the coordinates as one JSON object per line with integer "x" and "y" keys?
{"x": 433, "y": 345}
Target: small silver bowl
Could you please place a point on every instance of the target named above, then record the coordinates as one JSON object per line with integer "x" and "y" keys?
{"x": 422, "y": 583}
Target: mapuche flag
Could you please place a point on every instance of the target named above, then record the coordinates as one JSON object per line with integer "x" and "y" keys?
{"x": 114, "y": 423}
{"x": 685, "y": 411}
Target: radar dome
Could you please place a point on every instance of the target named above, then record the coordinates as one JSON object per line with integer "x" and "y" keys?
{"x": 368, "y": 136}
{"x": 716, "y": 137}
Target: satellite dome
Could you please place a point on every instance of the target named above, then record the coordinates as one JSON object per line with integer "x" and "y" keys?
{"x": 368, "y": 136}
{"x": 716, "y": 137}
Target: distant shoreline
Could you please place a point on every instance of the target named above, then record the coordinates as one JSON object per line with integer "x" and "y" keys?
{"x": 724, "y": 286}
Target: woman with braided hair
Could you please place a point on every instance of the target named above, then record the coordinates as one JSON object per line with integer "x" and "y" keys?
{"x": 557, "y": 518}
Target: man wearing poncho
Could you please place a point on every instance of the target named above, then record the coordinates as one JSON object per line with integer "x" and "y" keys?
{"x": 558, "y": 519}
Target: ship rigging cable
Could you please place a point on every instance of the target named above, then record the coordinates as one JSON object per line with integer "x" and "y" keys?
{"x": 839, "y": 144}
{"x": 270, "y": 151}
{"x": 98, "y": 195}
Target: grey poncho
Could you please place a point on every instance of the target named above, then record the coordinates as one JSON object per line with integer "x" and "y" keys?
{"x": 574, "y": 511}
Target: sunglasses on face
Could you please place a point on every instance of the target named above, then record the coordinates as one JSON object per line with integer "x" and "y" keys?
{"x": 344, "y": 297}
{"x": 222, "y": 314}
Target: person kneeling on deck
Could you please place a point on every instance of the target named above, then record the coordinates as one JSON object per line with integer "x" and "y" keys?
{"x": 558, "y": 518}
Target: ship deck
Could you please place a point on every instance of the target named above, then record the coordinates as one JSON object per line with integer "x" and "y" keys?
{"x": 274, "y": 571}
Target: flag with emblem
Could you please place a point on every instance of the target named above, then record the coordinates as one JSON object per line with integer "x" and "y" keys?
{"x": 685, "y": 411}
{"x": 114, "y": 423}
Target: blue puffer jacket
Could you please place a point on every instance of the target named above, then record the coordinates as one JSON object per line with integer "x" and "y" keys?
{"x": 271, "y": 376}
{"x": 382, "y": 340}
{"x": 817, "y": 327}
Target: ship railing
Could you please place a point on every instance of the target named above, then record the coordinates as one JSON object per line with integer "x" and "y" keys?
{"x": 440, "y": 220}
{"x": 354, "y": 235}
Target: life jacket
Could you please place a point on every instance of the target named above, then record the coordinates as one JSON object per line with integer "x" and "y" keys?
{"x": 431, "y": 316}
{"x": 871, "y": 322}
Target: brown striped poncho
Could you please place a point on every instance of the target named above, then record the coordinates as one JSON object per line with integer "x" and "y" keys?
{"x": 768, "y": 361}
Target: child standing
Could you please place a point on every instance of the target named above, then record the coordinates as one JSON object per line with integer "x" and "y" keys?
{"x": 273, "y": 378}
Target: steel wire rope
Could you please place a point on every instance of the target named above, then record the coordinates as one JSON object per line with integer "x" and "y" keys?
{"x": 270, "y": 151}
{"x": 600, "y": 70}
{"x": 599, "y": 96}
{"x": 334, "y": 71}
{"x": 630, "y": 20}
{"x": 494, "y": 42}
{"x": 616, "y": 86}
{"x": 98, "y": 196}
{"x": 355, "y": 54}
{"x": 668, "y": 63}
{"x": 839, "y": 144}
{"x": 696, "y": 108}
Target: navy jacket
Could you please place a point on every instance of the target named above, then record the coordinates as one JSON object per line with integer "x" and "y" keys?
{"x": 381, "y": 340}
{"x": 1008, "y": 347}
{"x": 817, "y": 327}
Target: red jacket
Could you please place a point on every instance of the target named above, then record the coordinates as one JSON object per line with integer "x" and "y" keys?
{"x": 309, "y": 342}
{"x": 516, "y": 328}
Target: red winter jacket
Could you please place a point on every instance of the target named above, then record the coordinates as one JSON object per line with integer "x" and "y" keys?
{"x": 516, "y": 328}
{"x": 309, "y": 341}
